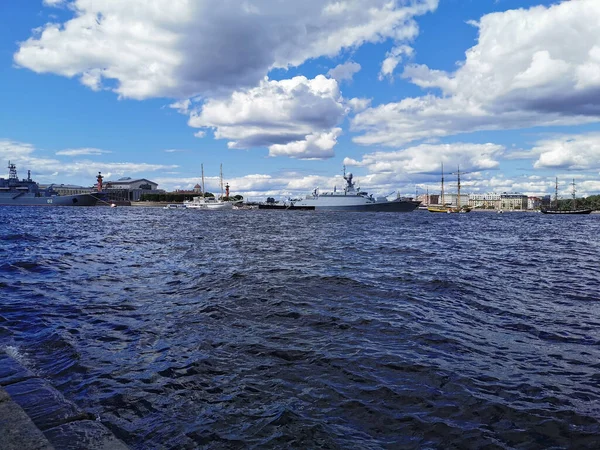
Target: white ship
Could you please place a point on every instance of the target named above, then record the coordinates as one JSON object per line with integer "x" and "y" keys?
{"x": 210, "y": 203}
{"x": 353, "y": 199}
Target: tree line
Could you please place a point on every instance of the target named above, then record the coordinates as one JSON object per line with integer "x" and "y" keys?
{"x": 591, "y": 202}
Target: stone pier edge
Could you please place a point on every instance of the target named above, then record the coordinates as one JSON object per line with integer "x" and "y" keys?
{"x": 35, "y": 416}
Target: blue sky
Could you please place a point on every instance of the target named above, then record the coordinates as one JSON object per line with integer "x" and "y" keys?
{"x": 284, "y": 94}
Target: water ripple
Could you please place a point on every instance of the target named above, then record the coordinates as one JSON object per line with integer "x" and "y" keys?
{"x": 313, "y": 330}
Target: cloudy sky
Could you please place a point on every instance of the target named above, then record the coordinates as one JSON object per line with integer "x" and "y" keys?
{"x": 284, "y": 93}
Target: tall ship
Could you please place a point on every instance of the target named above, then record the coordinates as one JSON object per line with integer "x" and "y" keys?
{"x": 26, "y": 192}
{"x": 573, "y": 210}
{"x": 443, "y": 208}
{"x": 353, "y": 199}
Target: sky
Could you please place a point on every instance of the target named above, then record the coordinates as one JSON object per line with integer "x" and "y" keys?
{"x": 284, "y": 94}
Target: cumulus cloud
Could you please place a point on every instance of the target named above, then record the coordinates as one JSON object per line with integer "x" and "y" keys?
{"x": 259, "y": 186}
{"x": 572, "y": 152}
{"x": 530, "y": 67}
{"x": 78, "y": 170}
{"x": 344, "y": 72}
{"x": 54, "y": 3}
{"x": 179, "y": 48}
{"x": 295, "y": 117}
{"x": 81, "y": 151}
{"x": 392, "y": 59}
{"x": 427, "y": 158}
{"x": 182, "y": 106}
{"x": 359, "y": 104}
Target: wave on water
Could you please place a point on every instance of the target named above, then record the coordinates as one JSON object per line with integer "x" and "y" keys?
{"x": 258, "y": 329}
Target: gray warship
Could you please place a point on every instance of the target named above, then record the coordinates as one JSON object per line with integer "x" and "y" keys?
{"x": 353, "y": 199}
{"x": 26, "y": 192}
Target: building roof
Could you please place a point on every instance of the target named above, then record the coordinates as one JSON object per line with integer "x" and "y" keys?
{"x": 129, "y": 181}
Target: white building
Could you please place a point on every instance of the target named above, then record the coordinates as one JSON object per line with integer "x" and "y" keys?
{"x": 492, "y": 200}
{"x": 513, "y": 201}
{"x": 131, "y": 189}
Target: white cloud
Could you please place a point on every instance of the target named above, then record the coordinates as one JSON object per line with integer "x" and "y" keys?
{"x": 359, "y": 104}
{"x": 81, "y": 151}
{"x": 79, "y": 171}
{"x": 295, "y": 117}
{"x": 54, "y": 3}
{"x": 427, "y": 158}
{"x": 393, "y": 58}
{"x": 312, "y": 146}
{"x": 200, "y": 134}
{"x": 182, "y": 106}
{"x": 572, "y": 152}
{"x": 344, "y": 72}
{"x": 530, "y": 67}
{"x": 180, "y": 48}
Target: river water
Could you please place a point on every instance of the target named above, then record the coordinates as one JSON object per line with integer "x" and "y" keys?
{"x": 279, "y": 329}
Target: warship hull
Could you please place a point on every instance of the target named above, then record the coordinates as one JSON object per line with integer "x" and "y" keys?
{"x": 56, "y": 200}
{"x": 393, "y": 206}
{"x": 357, "y": 203}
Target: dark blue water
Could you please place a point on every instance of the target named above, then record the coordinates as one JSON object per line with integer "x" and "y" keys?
{"x": 270, "y": 329}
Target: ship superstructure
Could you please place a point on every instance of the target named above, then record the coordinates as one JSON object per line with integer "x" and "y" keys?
{"x": 353, "y": 199}
{"x": 26, "y": 192}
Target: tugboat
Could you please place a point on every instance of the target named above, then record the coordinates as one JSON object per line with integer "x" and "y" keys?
{"x": 573, "y": 210}
{"x": 26, "y": 192}
{"x": 353, "y": 199}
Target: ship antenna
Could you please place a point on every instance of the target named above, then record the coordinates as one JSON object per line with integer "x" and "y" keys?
{"x": 12, "y": 171}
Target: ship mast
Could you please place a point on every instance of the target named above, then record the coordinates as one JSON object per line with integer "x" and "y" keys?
{"x": 221, "y": 176}
{"x": 443, "y": 202}
{"x": 12, "y": 172}
{"x": 203, "y": 191}
{"x": 458, "y": 188}
{"x": 574, "y": 199}
{"x": 556, "y": 193}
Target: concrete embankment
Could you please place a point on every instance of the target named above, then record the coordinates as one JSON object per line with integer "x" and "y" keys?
{"x": 35, "y": 416}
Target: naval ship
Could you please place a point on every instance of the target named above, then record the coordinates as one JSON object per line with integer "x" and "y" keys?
{"x": 26, "y": 192}
{"x": 353, "y": 199}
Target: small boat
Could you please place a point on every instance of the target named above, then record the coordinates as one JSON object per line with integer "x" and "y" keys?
{"x": 573, "y": 210}
{"x": 175, "y": 206}
{"x": 210, "y": 203}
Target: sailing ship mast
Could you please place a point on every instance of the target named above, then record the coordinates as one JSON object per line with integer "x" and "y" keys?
{"x": 221, "y": 176}
{"x": 556, "y": 193}
{"x": 203, "y": 191}
{"x": 574, "y": 199}
{"x": 443, "y": 202}
{"x": 458, "y": 188}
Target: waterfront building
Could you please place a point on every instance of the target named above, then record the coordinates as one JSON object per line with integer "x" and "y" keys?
{"x": 490, "y": 200}
{"x": 505, "y": 200}
{"x": 513, "y": 201}
{"x": 451, "y": 199}
{"x": 534, "y": 203}
{"x": 129, "y": 189}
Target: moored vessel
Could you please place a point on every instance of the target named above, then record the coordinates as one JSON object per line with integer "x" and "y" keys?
{"x": 211, "y": 203}
{"x": 573, "y": 210}
{"x": 353, "y": 199}
{"x": 26, "y": 192}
